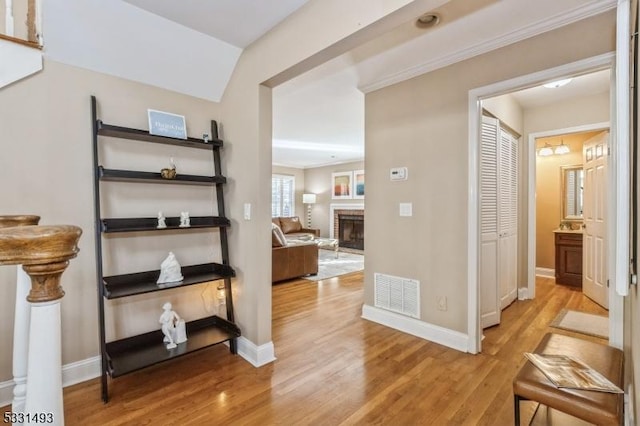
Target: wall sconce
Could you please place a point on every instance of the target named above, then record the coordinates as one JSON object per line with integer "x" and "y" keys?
{"x": 309, "y": 200}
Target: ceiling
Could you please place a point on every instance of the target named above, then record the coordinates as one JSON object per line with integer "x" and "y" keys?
{"x": 237, "y": 22}
{"x": 318, "y": 117}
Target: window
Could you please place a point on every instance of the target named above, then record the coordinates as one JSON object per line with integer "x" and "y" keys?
{"x": 282, "y": 195}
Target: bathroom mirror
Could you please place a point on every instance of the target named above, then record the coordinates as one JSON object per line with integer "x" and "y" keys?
{"x": 572, "y": 185}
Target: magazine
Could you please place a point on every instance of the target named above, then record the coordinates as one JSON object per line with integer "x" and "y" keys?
{"x": 566, "y": 372}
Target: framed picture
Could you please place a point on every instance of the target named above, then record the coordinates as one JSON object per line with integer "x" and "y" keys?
{"x": 167, "y": 124}
{"x": 342, "y": 185}
{"x": 358, "y": 184}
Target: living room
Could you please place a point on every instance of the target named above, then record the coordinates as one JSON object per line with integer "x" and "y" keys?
{"x": 420, "y": 123}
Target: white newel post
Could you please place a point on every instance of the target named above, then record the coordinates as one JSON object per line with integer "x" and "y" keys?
{"x": 21, "y": 340}
{"x": 8, "y": 13}
{"x": 21, "y": 319}
{"x": 44, "y": 252}
{"x": 44, "y": 393}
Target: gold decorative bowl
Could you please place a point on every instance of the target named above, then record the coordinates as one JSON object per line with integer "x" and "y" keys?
{"x": 168, "y": 173}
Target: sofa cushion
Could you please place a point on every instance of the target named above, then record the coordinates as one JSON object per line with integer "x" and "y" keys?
{"x": 275, "y": 221}
{"x": 277, "y": 237}
{"x": 290, "y": 224}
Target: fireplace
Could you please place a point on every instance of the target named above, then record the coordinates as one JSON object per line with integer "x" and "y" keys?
{"x": 351, "y": 231}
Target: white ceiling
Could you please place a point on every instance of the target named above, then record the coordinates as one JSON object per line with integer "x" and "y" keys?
{"x": 318, "y": 117}
{"x": 237, "y": 22}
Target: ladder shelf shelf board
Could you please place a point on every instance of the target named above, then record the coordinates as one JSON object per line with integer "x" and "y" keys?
{"x": 151, "y": 224}
{"x": 124, "y": 285}
{"x": 144, "y": 136}
{"x": 134, "y": 176}
{"x": 137, "y": 352}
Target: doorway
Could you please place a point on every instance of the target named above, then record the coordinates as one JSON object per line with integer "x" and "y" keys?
{"x": 527, "y": 229}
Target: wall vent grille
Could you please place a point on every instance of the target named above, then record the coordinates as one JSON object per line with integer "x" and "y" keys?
{"x": 401, "y": 295}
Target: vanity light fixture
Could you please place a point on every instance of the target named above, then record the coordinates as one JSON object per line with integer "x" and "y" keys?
{"x": 561, "y": 149}
{"x": 549, "y": 149}
{"x": 545, "y": 151}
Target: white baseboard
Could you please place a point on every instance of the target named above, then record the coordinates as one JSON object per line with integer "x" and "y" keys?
{"x": 72, "y": 373}
{"x": 256, "y": 355}
{"x": 434, "y": 333}
{"x": 545, "y": 272}
{"x": 523, "y": 293}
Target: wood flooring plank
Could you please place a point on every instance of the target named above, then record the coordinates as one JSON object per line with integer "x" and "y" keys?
{"x": 335, "y": 368}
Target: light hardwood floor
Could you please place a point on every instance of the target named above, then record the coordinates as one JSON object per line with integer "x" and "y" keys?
{"x": 334, "y": 368}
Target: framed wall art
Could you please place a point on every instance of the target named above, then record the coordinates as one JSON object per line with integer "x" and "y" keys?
{"x": 342, "y": 185}
{"x": 358, "y": 184}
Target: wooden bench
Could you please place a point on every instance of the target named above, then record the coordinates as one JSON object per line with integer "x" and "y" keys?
{"x": 599, "y": 408}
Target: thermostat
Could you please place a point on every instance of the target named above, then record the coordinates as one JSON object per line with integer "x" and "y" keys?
{"x": 399, "y": 173}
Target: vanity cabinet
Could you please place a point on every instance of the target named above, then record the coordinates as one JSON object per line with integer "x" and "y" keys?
{"x": 569, "y": 258}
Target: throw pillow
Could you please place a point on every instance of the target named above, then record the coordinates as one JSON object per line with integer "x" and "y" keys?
{"x": 277, "y": 237}
{"x": 290, "y": 224}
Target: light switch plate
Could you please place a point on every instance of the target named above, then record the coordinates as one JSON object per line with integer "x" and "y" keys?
{"x": 247, "y": 211}
{"x": 406, "y": 209}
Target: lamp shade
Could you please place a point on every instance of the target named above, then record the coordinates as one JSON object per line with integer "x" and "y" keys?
{"x": 562, "y": 149}
{"x": 545, "y": 151}
{"x": 308, "y": 198}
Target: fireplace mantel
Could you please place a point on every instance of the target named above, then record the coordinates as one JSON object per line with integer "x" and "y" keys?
{"x": 335, "y": 206}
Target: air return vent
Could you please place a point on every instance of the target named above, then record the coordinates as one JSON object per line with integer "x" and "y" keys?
{"x": 397, "y": 294}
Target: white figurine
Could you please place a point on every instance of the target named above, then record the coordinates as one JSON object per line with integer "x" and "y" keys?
{"x": 180, "y": 335}
{"x": 168, "y": 319}
{"x": 185, "y": 221}
{"x": 170, "y": 270}
{"x": 161, "y": 221}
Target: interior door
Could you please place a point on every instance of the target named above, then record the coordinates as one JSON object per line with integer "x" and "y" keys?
{"x": 594, "y": 274}
{"x": 489, "y": 244}
{"x": 508, "y": 217}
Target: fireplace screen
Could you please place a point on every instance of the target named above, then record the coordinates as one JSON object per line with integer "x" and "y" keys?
{"x": 351, "y": 231}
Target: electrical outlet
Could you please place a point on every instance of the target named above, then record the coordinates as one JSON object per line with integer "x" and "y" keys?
{"x": 442, "y": 303}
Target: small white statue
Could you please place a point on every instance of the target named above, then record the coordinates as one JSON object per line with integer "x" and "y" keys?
{"x": 169, "y": 320}
{"x": 161, "y": 221}
{"x": 170, "y": 270}
{"x": 185, "y": 221}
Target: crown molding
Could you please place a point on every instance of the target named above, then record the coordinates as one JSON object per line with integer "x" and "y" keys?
{"x": 592, "y": 9}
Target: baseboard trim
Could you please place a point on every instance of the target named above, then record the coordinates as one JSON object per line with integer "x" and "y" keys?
{"x": 256, "y": 355}
{"x": 73, "y": 373}
{"x": 546, "y": 272}
{"x": 434, "y": 333}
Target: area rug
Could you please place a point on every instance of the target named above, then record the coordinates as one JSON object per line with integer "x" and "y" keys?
{"x": 581, "y": 322}
{"x": 329, "y": 266}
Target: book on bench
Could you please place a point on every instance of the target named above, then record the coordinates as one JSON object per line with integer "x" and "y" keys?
{"x": 567, "y": 372}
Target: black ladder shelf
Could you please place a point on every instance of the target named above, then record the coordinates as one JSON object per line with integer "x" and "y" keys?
{"x": 133, "y": 353}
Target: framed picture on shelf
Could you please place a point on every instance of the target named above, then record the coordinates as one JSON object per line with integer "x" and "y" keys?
{"x": 167, "y": 124}
{"x": 358, "y": 184}
{"x": 342, "y": 185}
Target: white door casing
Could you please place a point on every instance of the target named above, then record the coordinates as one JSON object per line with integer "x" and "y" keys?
{"x": 594, "y": 274}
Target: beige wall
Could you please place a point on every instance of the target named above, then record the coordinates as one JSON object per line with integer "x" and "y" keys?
{"x": 299, "y": 175}
{"x": 20, "y": 8}
{"x": 508, "y": 110}
{"x": 549, "y": 192}
{"x": 426, "y": 119}
{"x": 293, "y": 47}
{"x": 47, "y": 167}
{"x": 318, "y": 181}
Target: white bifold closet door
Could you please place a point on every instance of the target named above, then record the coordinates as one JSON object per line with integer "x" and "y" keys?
{"x": 498, "y": 220}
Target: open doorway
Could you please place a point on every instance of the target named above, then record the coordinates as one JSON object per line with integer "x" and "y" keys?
{"x": 535, "y": 122}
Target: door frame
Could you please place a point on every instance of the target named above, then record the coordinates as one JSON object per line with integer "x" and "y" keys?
{"x": 592, "y": 64}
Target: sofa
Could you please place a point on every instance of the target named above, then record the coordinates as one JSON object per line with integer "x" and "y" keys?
{"x": 291, "y": 258}
{"x": 292, "y": 228}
